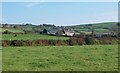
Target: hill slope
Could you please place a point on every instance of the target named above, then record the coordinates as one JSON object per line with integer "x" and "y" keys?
{"x": 106, "y": 27}
{"x": 98, "y": 27}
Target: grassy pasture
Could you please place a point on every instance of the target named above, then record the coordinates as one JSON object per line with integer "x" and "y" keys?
{"x": 31, "y": 37}
{"x": 0, "y": 60}
{"x": 61, "y": 58}
{"x": 12, "y": 30}
{"x": 99, "y": 27}
{"x": 102, "y": 30}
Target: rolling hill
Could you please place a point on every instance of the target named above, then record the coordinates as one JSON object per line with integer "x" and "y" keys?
{"x": 98, "y": 27}
{"x": 106, "y": 27}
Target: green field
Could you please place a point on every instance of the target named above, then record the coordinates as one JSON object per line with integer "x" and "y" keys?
{"x": 31, "y": 37}
{"x": 0, "y": 60}
{"x": 61, "y": 58}
{"x": 98, "y": 27}
{"x": 12, "y": 30}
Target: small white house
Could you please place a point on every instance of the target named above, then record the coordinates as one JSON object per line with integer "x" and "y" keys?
{"x": 69, "y": 33}
{"x": 55, "y": 31}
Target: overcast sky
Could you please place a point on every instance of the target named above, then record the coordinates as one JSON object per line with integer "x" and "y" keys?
{"x": 59, "y": 13}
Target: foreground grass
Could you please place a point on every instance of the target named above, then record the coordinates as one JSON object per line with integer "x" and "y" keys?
{"x": 61, "y": 58}
{"x": 0, "y": 59}
{"x": 31, "y": 37}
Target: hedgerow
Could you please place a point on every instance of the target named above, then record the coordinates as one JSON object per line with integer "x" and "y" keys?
{"x": 70, "y": 42}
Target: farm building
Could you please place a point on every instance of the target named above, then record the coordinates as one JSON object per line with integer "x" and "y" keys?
{"x": 98, "y": 35}
{"x": 66, "y": 32}
{"x": 52, "y": 31}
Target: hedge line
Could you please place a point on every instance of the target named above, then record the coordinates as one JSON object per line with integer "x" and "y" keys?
{"x": 72, "y": 41}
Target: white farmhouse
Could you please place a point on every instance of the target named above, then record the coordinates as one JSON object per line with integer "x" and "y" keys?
{"x": 69, "y": 32}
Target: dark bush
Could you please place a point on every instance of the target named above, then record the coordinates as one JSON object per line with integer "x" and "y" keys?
{"x": 5, "y": 43}
{"x": 16, "y": 43}
{"x": 89, "y": 40}
{"x": 76, "y": 41}
{"x": 7, "y": 32}
{"x": 73, "y": 41}
{"x": 45, "y": 31}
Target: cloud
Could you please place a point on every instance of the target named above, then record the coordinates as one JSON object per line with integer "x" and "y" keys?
{"x": 32, "y": 4}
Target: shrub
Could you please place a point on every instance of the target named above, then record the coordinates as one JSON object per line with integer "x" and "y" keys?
{"x": 89, "y": 40}
{"x": 76, "y": 41}
{"x": 73, "y": 41}
{"x": 7, "y": 32}
{"x": 16, "y": 43}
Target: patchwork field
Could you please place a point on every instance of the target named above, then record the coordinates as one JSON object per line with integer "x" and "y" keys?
{"x": 12, "y": 30}
{"x": 99, "y": 27}
{"x": 61, "y": 58}
{"x": 31, "y": 37}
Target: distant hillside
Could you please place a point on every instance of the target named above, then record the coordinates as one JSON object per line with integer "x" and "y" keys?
{"x": 98, "y": 27}
{"x": 85, "y": 28}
